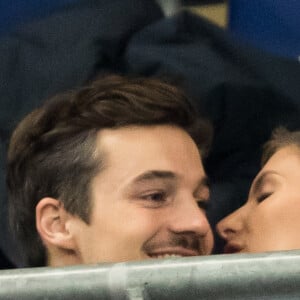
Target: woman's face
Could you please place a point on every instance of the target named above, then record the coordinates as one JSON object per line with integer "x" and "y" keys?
{"x": 270, "y": 219}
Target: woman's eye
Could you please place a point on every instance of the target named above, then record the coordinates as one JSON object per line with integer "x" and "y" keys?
{"x": 263, "y": 196}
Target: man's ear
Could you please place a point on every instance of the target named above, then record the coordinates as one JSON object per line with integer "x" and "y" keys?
{"x": 52, "y": 224}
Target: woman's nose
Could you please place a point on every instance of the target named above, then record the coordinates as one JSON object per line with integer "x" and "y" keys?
{"x": 232, "y": 224}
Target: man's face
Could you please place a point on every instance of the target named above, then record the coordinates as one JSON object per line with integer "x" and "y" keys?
{"x": 149, "y": 201}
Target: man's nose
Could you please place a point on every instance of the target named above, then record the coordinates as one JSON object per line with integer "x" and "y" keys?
{"x": 232, "y": 224}
{"x": 187, "y": 217}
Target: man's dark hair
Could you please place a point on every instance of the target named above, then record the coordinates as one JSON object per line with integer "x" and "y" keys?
{"x": 52, "y": 151}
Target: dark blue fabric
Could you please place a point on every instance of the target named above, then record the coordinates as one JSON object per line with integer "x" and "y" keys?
{"x": 273, "y": 25}
{"x": 204, "y": 56}
{"x": 15, "y": 13}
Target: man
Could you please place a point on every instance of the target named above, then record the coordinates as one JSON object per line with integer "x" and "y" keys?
{"x": 110, "y": 172}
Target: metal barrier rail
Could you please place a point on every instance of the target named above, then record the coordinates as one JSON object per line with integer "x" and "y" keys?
{"x": 274, "y": 275}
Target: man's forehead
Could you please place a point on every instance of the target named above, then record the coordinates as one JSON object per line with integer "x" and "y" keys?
{"x": 153, "y": 137}
{"x": 135, "y": 131}
{"x": 141, "y": 153}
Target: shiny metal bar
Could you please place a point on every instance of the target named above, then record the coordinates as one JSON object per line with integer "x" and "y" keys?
{"x": 273, "y": 275}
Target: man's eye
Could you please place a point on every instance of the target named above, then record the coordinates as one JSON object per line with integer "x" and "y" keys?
{"x": 155, "y": 197}
{"x": 263, "y": 196}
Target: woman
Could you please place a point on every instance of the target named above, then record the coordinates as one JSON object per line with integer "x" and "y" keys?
{"x": 270, "y": 219}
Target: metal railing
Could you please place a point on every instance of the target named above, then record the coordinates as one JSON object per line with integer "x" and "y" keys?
{"x": 273, "y": 275}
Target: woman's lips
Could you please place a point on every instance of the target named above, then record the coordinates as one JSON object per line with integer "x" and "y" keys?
{"x": 232, "y": 248}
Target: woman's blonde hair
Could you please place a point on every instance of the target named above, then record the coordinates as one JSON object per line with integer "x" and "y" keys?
{"x": 281, "y": 137}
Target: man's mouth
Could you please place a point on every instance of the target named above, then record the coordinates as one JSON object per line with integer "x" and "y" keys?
{"x": 166, "y": 256}
{"x": 173, "y": 253}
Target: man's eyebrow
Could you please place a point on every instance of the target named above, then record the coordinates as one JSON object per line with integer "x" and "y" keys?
{"x": 155, "y": 174}
{"x": 259, "y": 181}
